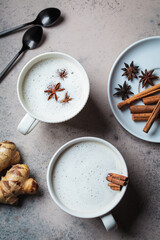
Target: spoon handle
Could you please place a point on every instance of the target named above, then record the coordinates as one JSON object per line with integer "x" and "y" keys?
{"x": 8, "y": 31}
{"x": 3, "y": 73}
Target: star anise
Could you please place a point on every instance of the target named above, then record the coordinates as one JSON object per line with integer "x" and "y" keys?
{"x": 52, "y": 91}
{"x": 130, "y": 71}
{"x": 147, "y": 77}
{"x": 66, "y": 99}
{"x": 62, "y": 73}
{"x": 123, "y": 91}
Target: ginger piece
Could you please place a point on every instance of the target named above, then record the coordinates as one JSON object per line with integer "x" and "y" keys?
{"x": 15, "y": 183}
{"x": 8, "y": 154}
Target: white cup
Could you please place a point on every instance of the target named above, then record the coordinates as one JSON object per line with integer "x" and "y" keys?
{"x": 105, "y": 212}
{"x": 30, "y": 120}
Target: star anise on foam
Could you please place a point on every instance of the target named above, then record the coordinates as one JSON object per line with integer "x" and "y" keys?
{"x": 66, "y": 99}
{"x": 62, "y": 73}
{"x": 52, "y": 91}
{"x": 123, "y": 91}
{"x": 147, "y": 77}
{"x": 130, "y": 71}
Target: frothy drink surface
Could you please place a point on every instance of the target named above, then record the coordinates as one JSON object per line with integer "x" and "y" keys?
{"x": 79, "y": 176}
{"x": 43, "y": 75}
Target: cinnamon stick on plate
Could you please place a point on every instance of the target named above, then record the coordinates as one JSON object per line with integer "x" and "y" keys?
{"x": 152, "y": 118}
{"x": 140, "y": 117}
{"x": 141, "y": 108}
{"x": 151, "y": 99}
{"x": 140, "y": 95}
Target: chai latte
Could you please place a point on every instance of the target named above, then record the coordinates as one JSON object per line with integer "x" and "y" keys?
{"x": 79, "y": 176}
{"x": 43, "y": 75}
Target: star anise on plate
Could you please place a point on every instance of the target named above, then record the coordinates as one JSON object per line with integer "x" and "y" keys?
{"x": 123, "y": 91}
{"x": 62, "y": 73}
{"x": 66, "y": 99}
{"x": 130, "y": 71}
{"x": 52, "y": 91}
{"x": 147, "y": 77}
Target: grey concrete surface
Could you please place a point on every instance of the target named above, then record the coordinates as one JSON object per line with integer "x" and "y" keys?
{"x": 94, "y": 32}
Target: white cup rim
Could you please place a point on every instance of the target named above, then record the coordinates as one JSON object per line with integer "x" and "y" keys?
{"x": 49, "y": 177}
{"x": 38, "y": 58}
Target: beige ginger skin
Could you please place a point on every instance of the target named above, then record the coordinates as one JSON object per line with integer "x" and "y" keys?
{"x": 15, "y": 183}
{"x": 8, "y": 154}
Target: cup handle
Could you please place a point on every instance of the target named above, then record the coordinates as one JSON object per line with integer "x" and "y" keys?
{"x": 27, "y": 124}
{"x": 109, "y": 222}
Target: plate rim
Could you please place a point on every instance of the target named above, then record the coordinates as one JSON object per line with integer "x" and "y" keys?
{"x": 109, "y": 86}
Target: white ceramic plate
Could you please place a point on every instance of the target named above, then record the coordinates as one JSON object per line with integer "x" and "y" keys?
{"x": 145, "y": 54}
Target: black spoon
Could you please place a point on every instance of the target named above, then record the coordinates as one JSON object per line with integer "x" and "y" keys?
{"x": 31, "y": 39}
{"x": 45, "y": 18}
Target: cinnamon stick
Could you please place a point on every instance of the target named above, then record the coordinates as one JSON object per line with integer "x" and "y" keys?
{"x": 151, "y": 99}
{"x": 116, "y": 181}
{"x": 140, "y": 95}
{"x": 141, "y": 108}
{"x": 140, "y": 117}
{"x": 115, "y": 188}
{"x": 152, "y": 118}
{"x": 121, "y": 177}
{"x": 114, "y": 185}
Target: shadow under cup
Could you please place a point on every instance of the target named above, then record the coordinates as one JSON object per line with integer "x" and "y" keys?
{"x": 40, "y": 74}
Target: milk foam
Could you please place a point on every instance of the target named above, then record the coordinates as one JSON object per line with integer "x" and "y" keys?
{"x": 44, "y": 74}
{"x": 79, "y": 176}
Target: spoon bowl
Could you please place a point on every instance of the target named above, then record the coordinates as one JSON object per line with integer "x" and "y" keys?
{"x": 45, "y": 18}
{"x": 48, "y": 17}
{"x": 31, "y": 39}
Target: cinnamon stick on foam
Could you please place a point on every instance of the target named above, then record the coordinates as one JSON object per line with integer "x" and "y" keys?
{"x": 152, "y": 118}
{"x": 140, "y": 95}
{"x": 151, "y": 99}
{"x": 116, "y": 181}
{"x": 114, "y": 186}
{"x": 141, "y": 108}
{"x": 121, "y": 177}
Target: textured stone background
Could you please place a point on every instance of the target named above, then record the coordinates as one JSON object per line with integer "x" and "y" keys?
{"x": 94, "y": 32}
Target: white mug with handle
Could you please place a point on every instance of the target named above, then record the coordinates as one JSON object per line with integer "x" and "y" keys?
{"x": 104, "y": 212}
{"x": 31, "y": 119}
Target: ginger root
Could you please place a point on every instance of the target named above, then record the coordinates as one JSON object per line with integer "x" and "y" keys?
{"x": 8, "y": 154}
{"x": 15, "y": 183}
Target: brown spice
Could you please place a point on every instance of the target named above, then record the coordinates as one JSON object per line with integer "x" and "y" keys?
{"x": 114, "y": 185}
{"x": 62, "y": 73}
{"x": 123, "y": 91}
{"x": 147, "y": 77}
{"x": 66, "y": 99}
{"x": 141, "y": 117}
{"x": 116, "y": 181}
{"x": 130, "y": 71}
{"x": 151, "y": 99}
{"x": 140, "y": 95}
{"x": 141, "y": 108}
{"x": 52, "y": 91}
{"x": 121, "y": 177}
{"x": 152, "y": 117}
{"x": 115, "y": 188}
